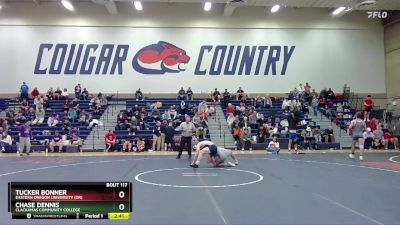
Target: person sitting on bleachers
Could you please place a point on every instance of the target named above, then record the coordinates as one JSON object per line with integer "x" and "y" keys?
{"x": 31, "y": 113}
{"x": 72, "y": 115}
{"x": 267, "y": 101}
{"x": 241, "y": 95}
{"x": 330, "y": 94}
{"x": 38, "y": 101}
{"x": 155, "y": 115}
{"x": 110, "y": 141}
{"x": 226, "y": 97}
{"x": 64, "y": 94}
{"x": 5, "y": 141}
{"x": 39, "y": 116}
{"x": 85, "y": 94}
{"x": 322, "y": 103}
{"x": 329, "y": 135}
{"x": 119, "y": 126}
{"x": 94, "y": 101}
{"x": 389, "y": 138}
{"x": 378, "y": 137}
{"x": 75, "y": 138}
{"x": 308, "y": 138}
{"x": 201, "y": 133}
{"x": 24, "y": 105}
{"x": 181, "y": 94}
{"x": 245, "y": 139}
{"x": 57, "y": 94}
{"x": 273, "y": 146}
{"x": 258, "y": 102}
{"x": 261, "y": 135}
{"x": 368, "y": 139}
{"x": 317, "y": 134}
{"x": 140, "y": 145}
{"x": 66, "y": 125}
{"x": 373, "y": 123}
{"x": 50, "y": 93}
{"x": 241, "y": 108}
{"x": 230, "y": 108}
{"x": 78, "y": 91}
{"x": 127, "y": 146}
{"x": 53, "y": 119}
{"x": 285, "y": 104}
{"x": 84, "y": 118}
{"x": 139, "y": 95}
{"x": 202, "y": 109}
{"x": 35, "y": 93}
{"x": 56, "y": 141}
{"x": 216, "y": 95}
{"x": 172, "y": 112}
{"x": 253, "y": 120}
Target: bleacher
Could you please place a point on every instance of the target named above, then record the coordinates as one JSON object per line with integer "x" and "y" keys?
{"x": 276, "y": 111}
{"x": 43, "y": 131}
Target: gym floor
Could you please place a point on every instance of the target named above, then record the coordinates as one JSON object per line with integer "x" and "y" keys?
{"x": 317, "y": 188}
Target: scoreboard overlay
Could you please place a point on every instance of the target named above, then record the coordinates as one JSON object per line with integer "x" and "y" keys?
{"x": 70, "y": 200}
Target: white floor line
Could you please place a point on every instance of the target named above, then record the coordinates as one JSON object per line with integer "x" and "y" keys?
{"x": 348, "y": 209}
{"x": 391, "y": 159}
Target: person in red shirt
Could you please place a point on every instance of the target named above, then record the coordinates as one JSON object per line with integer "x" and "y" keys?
{"x": 388, "y": 137}
{"x": 322, "y": 102}
{"x": 368, "y": 105}
{"x": 230, "y": 109}
{"x": 373, "y": 123}
{"x": 110, "y": 140}
{"x": 35, "y": 93}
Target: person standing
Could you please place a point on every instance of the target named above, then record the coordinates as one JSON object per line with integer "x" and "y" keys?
{"x": 157, "y": 145}
{"x": 24, "y": 91}
{"x": 187, "y": 128}
{"x": 368, "y": 105}
{"x": 78, "y": 91}
{"x": 25, "y": 135}
{"x": 293, "y": 138}
{"x": 189, "y": 94}
{"x": 356, "y": 130}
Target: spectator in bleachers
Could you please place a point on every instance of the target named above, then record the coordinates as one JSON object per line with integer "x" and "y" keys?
{"x": 314, "y": 93}
{"x": 308, "y": 138}
{"x": 157, "y": 145}
{"x": 25, "y": 136}
{"x": 317, "y": 134}
{"x": 237, "y": 134}
{"x": 314, "y": 104}
{"x": 245, "y": 139}
{"x": 389, "y": 138}
{"x": 368, "y": 106}
{"x": 292, "y": 126}
{"x": 127, "y": 146}
{"x": 258, "y": 102}
{"x": 85, "y": 94}
{"x": 50, "y": 93}
{"x": 368, "y": 139}
{"x": 56, "y": 141}
{"x": 230, "y": 119}
{"x": 305, "y": 109}
{"x": 241, "y": 108}
{"x": 35, "y": 93}
{"x": 24, "y": 105}
{"x": 53, "y": 119}
{"x": 169, "y": 136}
{"x": 84, "y": 118}
{"x": 57, "y": 94}
{"x": 189, "y": 94}
{"x": 275, "y": 131}
{"x": 253, "y": 120}
{"x": 165, "y": 116}
{"x": 39, "y": 116}
{"x": 138, "y": 95}
{"x": 285, "y": 104}
{"x": 267, "y": 102}
{"x": 226, "y": 96}
{"x": 330, "y": 94}
{"x": 78, "y": 91}
{"x": 181, "y": 94}
{"x": 201, "y": 133}
{"x": 216, "y": 95}
{"x": 5, "y": 141}
{"x": 119, "y": 126}
{"x": 187, "y": 128}
{"x": 230, "y": 109}
{"x": 323, "y": 94}
{"x": 172, "y": 112}
{"x": 273, "y": 146}
{"x": 329, "y": 135}
{"x": 75, "y": 137}
{"x": 66, "y": 125}
{"x": 373, "y": 124}
{"x": 261, "y": 135}
{"x": 110, "y": 140}
{"x": 378, "y": 137}
{"x": 72, "y": 115}
{"x": 322, "y": 103}
{"x": 155, "y": 115}
{"x": 38, "y": 101}
{"x": 64, "y": 94}
{"x": 140, "y": 145}
{"x": 31, "y": 113}
{"x": 241, "y": 95}
{"x": 24, "y": 90}
{"x": 66, "y": 105}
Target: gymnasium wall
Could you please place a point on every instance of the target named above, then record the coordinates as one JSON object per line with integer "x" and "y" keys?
{"x": 392, "y": 59}
{"x": 253, "y": 49}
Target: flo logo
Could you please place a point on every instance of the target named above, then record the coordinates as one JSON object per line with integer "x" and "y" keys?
{"x": 160, "y": 58}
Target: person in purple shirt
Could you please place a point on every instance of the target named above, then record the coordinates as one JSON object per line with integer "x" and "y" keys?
{"x": 56, "y": 141}
{"x": 25, "y": 135}
{"x": 75, "y": 139}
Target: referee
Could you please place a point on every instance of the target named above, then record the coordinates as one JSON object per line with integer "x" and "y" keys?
{"x": 187, "y": 128}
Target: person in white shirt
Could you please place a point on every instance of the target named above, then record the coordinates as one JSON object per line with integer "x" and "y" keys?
{"x": 5, "y": 141}
{"x": 64, "y": 94}
{"x": 368, "y": 138}
{"x": 273, "y": 146}
{"x": 203, "y": 147}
